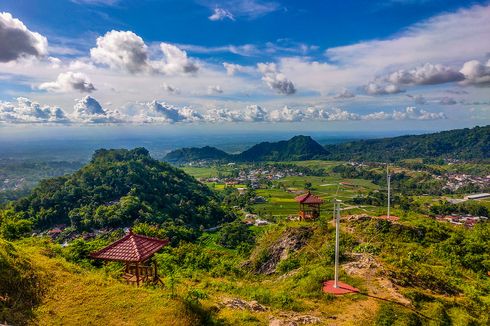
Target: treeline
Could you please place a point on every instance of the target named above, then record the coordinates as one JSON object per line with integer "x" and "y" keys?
{"x": 460, "y": 144}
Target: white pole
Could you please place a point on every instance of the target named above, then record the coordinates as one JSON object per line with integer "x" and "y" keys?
{"x": 337, "y": 231}
{"x": 389, "y": 189}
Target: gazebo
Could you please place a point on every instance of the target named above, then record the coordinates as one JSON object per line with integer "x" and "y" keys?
{"x": 135, "y": 251}
{"x": 309, "y": 206}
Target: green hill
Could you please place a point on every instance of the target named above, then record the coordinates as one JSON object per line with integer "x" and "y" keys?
{"x": 463, "y": 144}
{"x": 207, "y": 153}
{"x": 117, "y": 188}
{"x": 295, "y": 149}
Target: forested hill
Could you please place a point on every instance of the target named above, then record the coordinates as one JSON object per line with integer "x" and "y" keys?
{"x": 463, "y": 144}
{"x": 191, "y": 154}
{"x": 294, "y": 149}
{"x": 117, "y": 188}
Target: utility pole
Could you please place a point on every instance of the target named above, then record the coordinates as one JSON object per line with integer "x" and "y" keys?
{"x": 336, "y": 215}
{"x": 388, "y": 179}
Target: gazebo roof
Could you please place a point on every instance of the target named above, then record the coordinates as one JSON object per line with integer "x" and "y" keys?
{"x": 309, "y": 198}
{"x": 131, "y": 248}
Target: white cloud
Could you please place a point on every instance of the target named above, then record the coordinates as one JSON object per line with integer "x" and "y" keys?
{"x": 220, "y": 14}
{"x": 254, "y": 113}
{"x": 176, "y": 60}
{"x": 26, "y": 111}
{"x": 410, "y": 113}
{"x": 476, "y": 73}
{"x": 286, "y": 114}
{"x": 374, "y": 88}
{"x": 121, "y": 50}
{"x": 427, "y": 74}
{"x": 161, "y": 112}
{"x": 69, "y": 81}
{"x": 89, "y": 110}
{"x": 16, "y": 41}
{"x": 345, "y": 94}
{"x": 447, "y": 101}
{"x": 276, "y": 80}
{"x": 446, "y": 38}
{"x": 249, "y": 9}
{"x": 216, "y": 89}
{"x": 170, "y": 89}
{"x": 418, "y": 99}
{"x": 232, "y": 68}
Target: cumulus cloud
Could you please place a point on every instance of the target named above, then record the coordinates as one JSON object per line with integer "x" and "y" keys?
{"x": 427, "y": 74}
{"x": 418, "y": 99}
{"x": 286, "y": 114}
{"x": 69, "y": 81}
{"x": 232, "y": 68}
{"x": 476, "y": 73}
{"x": 276, "y": 80}
{"x": 220, "y": 14}
{"x": 121, "y": 50}
{"x": 254, "y": 113}
{"x": 89, "y": 110}
{"x": 176, "y": 61}
{"x": 170, "y": 89}
{"x": 161, "y": 112}
{"x": 16, "y": 41}
{"x": 345, "y": 94}
{"x": 373, "y": 88}
{"x": 447, "y": 101}
{"x": 27, "y": 111}
{"x": 410, "y": 113}
{"x": 216, "y": 89}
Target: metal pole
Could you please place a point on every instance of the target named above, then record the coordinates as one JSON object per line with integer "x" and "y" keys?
{"x": 337, "y": 231}
{"x": 389, "y": 190}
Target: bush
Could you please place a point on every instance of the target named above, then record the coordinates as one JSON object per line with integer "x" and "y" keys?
{"x": 20, "y": 286}
{"x": 234, "y": 234}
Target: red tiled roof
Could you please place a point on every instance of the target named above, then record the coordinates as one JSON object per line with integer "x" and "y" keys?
{"x": 131, "y": 248}
{"x": 308, "y": 198}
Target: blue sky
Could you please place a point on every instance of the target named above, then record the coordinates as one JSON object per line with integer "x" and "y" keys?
{"x": 245, "y": 62}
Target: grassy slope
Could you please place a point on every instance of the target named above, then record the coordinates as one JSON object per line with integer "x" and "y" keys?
{"x": 77, "y": 296}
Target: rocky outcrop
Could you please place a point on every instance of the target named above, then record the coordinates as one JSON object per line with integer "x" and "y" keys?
{"x": 290, "y": 241}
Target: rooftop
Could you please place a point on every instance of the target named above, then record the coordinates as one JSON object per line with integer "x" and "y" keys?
{"x": 131, "y": 248}
{"x": 308, "y": 198}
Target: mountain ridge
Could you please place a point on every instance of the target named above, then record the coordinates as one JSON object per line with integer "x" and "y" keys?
{"x": 463, "y": 144}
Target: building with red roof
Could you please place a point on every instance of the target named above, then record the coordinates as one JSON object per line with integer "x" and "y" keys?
{"x": 309, "y": 206}
{"x": 136, "y": 251}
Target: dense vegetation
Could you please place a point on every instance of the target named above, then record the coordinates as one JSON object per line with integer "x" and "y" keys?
{"x": 461, "y": 144}
{"x": 20, "y": 176}
{"x": 117, "y": 188}
{"x": 192, "y": 154}
{"x": 295, "y": 149}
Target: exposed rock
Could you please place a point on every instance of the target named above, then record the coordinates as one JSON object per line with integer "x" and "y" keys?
{"x": 236, "y": 303}
{"x": 290, "y": 241}
{"x": 294, "y": 320}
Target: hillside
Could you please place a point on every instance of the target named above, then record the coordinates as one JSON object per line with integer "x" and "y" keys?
{"x": 117, "y": 188}
{"x": 461, "y": 144}
{"x": 191, "y": 154}
{"x": 294, "y": 149}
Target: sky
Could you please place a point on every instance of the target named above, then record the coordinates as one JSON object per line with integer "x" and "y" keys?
{"x": 245, "y": 64}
